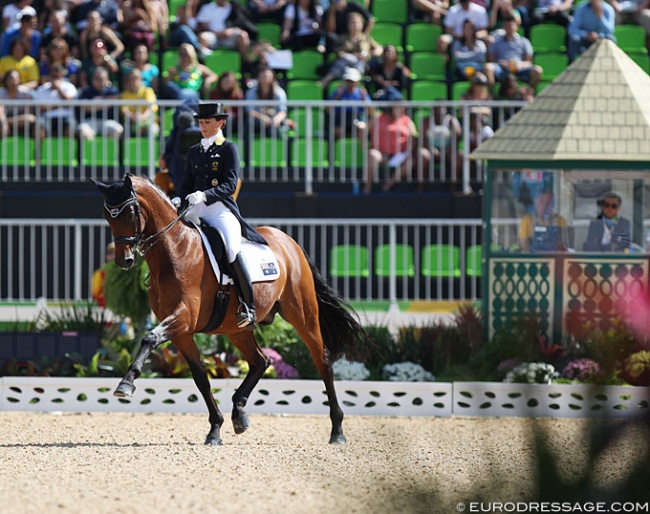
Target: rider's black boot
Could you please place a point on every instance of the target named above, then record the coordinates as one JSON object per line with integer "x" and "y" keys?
{"x": 246, "y": 313}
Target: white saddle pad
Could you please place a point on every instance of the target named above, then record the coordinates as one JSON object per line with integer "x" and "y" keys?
{"x": 260, "y": 260}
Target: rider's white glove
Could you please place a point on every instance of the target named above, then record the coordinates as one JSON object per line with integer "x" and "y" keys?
{"x": 176, "y": 202}
{"x": 196, "y": 198}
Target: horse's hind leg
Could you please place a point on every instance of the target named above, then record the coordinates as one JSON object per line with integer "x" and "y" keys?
{"x": 257, "y": 361}
{"x": 308, "y": 328}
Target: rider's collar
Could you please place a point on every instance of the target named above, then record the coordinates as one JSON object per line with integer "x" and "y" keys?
{"x": 207, "y": 142}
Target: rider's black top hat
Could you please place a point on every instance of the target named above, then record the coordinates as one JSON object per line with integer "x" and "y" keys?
{"x": 210, "y": 110}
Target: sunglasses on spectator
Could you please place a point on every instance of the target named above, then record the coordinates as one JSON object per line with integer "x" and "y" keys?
{"x": 608, "y": 205}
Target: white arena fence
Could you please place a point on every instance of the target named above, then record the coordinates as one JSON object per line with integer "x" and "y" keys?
{"x": 435, "y": 399}
{"x": 303, "y": 155}
{"x": 55, "y": 258}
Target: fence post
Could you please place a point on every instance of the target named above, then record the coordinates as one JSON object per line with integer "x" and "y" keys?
{"x": 78, "y": 268}
{"x": 392, "y": 279}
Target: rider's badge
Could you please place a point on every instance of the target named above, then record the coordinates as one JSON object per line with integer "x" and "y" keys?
{"x": 215, "y": 165}
{"x": 215, "y": 182}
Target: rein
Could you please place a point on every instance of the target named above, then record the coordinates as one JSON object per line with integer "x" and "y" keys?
{"x": 138, "y": 241}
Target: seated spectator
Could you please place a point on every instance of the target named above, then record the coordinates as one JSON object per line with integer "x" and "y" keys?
{"x": 16, "y": 120}
{"x": 109, "y": 11}
{"x": 19, "y": 60}
{"x": 102, "y": 120}
{"x": 140, "y": 24}
{"x": 336, "y": 21}
{"x": 58, "y": 28}
{"x": 140, "y": 119}
{"x": 26, "y": 31}
{"x": 592, "y": 21}
{"x": 302, "y": 26}
{"x": 553, "y": 11}
{"x": 453, "y": 23}
{"x": 150, "y": 72}
{"x": 266, "y": 10}
{"x": 10, "y": 18}
{"x": 99, "y": 57}
{"x": 509, "y": 89}
{"x": 189, "y": 79}
{"x": 468, "y": 52}
{"x": 224, "y": 24}
{"x": 633, "y": 11}
{"x": 50, "y": 7}
{"x": 57, "y": 117}
{"x": 393, "y": 138}
{"x": 479, "y": 115}
{"x": 182, "y": 29}
{"x": 512, "y": 54}
{"x": 432, "y": 11}
{"x": 502, "y": 9}
{"x": 266, "y": 119}
{"x": 355, "y": 49}
{"x": 227, "y": 88}
{"x": 57, "y": 52}
{"x": 609, "y": 232}
{"x": 96, "y": 29}
{"x": 543, "y": 230}
{"x": 440, "y": 132}
{"x": 349, "y": 121}
{"x": 390, "y": 77}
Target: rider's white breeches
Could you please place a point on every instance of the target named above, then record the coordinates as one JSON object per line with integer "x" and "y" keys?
{"x": 220, "y": 217}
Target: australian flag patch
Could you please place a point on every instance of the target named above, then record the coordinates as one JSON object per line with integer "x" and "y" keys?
{"x": 268, "y": 268}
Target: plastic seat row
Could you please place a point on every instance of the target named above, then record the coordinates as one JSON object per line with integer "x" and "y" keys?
{"x": 66, "y": 151}
{"x": 438, "y": 260}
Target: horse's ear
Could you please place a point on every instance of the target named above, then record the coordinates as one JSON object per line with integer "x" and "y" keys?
{"x": 103, "y": 188}
{"x": 127, "y": 180}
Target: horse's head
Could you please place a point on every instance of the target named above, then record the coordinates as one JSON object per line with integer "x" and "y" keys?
{"x": 122, "y": 211}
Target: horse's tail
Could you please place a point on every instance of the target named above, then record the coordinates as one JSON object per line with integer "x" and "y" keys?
{"x": 342, "y": 333}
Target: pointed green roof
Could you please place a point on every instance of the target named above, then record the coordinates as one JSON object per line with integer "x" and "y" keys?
{"x": 597, "y": 109}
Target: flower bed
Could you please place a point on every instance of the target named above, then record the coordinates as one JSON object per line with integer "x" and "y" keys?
{"x": 436, "y": 399}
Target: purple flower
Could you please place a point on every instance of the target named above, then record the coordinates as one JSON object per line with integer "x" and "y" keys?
{"x": 282, "y": 369}
{"x": 582, "y": 370}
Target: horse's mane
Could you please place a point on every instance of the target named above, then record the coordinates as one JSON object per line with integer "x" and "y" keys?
{"x": 148, "y": 183}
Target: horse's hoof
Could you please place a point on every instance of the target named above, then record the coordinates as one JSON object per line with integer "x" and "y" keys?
{"x": 214, "y": 437}
{"x": 124, "y": 389}
{"x": 338, "y": 439}
{"x": 241, "y": 423}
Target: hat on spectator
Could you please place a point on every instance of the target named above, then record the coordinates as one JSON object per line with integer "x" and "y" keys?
{"x": 26, "y": 12}
{"x": 480, "y": 79}
{"x": 210, "y": 110}
{"x": 352, "y": 74}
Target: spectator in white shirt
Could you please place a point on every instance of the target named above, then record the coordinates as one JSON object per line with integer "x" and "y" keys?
{"x": 57, "y": 117}
{"x": 455, "y": 19}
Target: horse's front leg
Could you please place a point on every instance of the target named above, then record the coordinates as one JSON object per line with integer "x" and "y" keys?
{"x": 257, "y": 362}
{"x": 149, "y": 343}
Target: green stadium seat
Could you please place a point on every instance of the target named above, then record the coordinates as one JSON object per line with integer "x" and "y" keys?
{"x": 630, "y": 38}
{"x": 349, "y": 261}
{"x": 268, "y": 153}
{"x": 136, "y": 152}
{"x": 458, "y": 89}
{"x": 319, "y": 153}
{"x": 305, "y": 65}
{"x": 473, "y": 256}
{"x": 548, "y": 37}
{"x": 299, "y": 117}
{"x": 424, "y": 90}
{"x": 348, "y": 153}
{"x": 422, "y": 37}
{"x": 553, "y": 64}
{"x": 269, "y": 32}
{"x": 428, "y": 66}
{"x": 18, "y": 151}
{"x": 59, "y": 151}
{"x": 404, "y": 262}
{"x": 224, "y": 60}
{"x": 393, "y": 11}
{"x": 441, "y": 261}
{"x": 100, "y": 151}
{"x": 304, "y": 90}
{"x": 388, "y": 34}
{"x": 240, "y": 148}
{"x": 169, "y": 59}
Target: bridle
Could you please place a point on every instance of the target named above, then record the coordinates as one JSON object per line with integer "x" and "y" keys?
{"x": 138, "y": 241}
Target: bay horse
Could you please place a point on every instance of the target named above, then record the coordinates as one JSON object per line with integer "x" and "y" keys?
{"x": 182, "y": 296}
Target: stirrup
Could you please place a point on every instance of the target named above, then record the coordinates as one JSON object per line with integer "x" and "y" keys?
{"x": 246, "y": 318}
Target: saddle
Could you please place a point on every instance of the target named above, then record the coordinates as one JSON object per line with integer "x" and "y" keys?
{"x": 260, "y": 260}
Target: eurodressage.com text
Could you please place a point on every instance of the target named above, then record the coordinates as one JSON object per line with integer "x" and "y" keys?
{"x": 554, "y": 507}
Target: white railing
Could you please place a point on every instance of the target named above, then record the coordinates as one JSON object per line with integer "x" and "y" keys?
{"x": 55, "y": 258}
{"x": 303, "y": 155}
{"x": 439, "y": 399}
